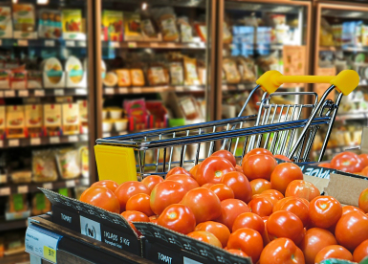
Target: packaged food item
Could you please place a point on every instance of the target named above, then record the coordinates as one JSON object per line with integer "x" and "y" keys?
{"x": 226, "y": 35}
{"x": 115, "y": 112}
{"x": 186, "y": 33}
{"x": 34, "y": 120}
{"x": 176, "y": 73}
{"x": 149, "y": 31}
{"x": 6, "y": 25}
{"x": 68, "y": 161}
{"x": 84, "y": 156}
{"x": 2, "y": 121}
{"x": 201, "y": 30}
{"x": 40, "y": 204}
{"x": 17, "y": 203}
{"x": 15, "y": 121}
{"x": 107, "y": 125}
{"x": 188, "y": 106}
{"x": 49, "y": 23}
{"x": 52, "y": 119}
{"x": 202, "y": 75}
{"x": 24, "y": 21}
{"x": 231, "y": 71}
{"x": 65, "y": 191}
{"x": 103, "y": 68}
{"x": 157, "y": 75}
{"x": 5, "y": 79}
{"x": 23, "y": 176}
{"x": 72, "y": 23}
{"x": 111, "y": 79}
{"x": 136, "y": 112}
{"x": 83, "y": 113}
{"x": 123, "y": 77}
{"x": 70, "y": 114}
{"x": 137, "y": 77}
{"x": 166, "y": 20}
{"x": 34, "y": 79}
{"x": 121, "y": 124}
{"x": 190, "y": 71}
{"x": 53, "y": 69}
{"x": 132, "y": 26}
{"x": 112, "y": 22}
{"x": 74, "y": 68}
{"x": 43, "y": 166}
{"x": 18, "y": 79}
{"x": 246, "y": 71}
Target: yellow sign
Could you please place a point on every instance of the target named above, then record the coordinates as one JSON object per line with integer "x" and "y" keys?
{"x": 49, "y": 254}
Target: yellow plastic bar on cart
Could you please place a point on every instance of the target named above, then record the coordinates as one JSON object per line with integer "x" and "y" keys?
{"x": 115, "y": 163}
{"x": 346, "y": 81}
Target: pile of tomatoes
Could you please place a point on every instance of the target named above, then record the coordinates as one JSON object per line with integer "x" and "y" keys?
{"x": 261, "y": 210}
{"x": 349, "y": 162}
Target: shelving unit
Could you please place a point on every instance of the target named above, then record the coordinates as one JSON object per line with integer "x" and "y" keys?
{"x": 17, "y": 258}
{"x": 153, "y": 45}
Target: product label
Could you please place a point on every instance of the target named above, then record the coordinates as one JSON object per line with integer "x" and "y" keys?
{"x": 115, "y": 238}
{"x": 90, "y": 228}
{"x": 18, "y": 202}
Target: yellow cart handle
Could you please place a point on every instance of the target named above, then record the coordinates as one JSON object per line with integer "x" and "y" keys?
{"x": 346, "y": 81}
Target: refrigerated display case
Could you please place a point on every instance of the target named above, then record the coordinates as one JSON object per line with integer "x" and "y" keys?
{"x": 341, "y": 43}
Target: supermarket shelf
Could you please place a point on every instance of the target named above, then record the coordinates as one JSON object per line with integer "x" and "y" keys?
{"x": 155, "y": 89}
{"x": 43, "y": 43}
{"x": 153, "y": 45}
{"x": 344, "y": 48}
{"x": 17, "y": 258}
{"x": 352, "y": 116}
{"x": 49, "y": 92}
{"x": 25, "y": 142}
{"x": 12, "y": 225}
{"x": 259, "y": 46}
{"x": 238, "y": 87}
{"x": 12, "y": 188}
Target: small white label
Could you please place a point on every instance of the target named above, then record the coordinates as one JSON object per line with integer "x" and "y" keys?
{"x": 109, "y": 91}
{"x": 47, "y": 185}
{"x": 3, "y": 179}
{"x": 81, "y": 91}
{"x": 171, "y": 45}
{"x": 179, "y": 89}
{"x": 23, "y": 93}
{"x": 10, "y": 93}
{"x": 35, "y": 259}
{"x": 225, "y": 87}
{"x": 70, "y": 184}
{"x": 54, "y": 140}
{"x": 49, "y": 43}
{"x": 73, "y": 138}
{"x": 35, "y": 141}
{"x": 1, "y": 143}
{"x": 123, "y": 90}
{"x": 23, "y": 189}
{"x": 84, "y": 137}
{"x": 82, "y": 44}
{"x": 13, "y": 142}
{"x": 241, "y": 86}
{"x": 39, "y": 93}
{"x": 90, "y": 228}
{"x": 59, "y": 92}
{"x": 70, "y": 43}
{"x": 132, "y": 44}
{"x": 114, "y": 44}
{"x": 137, "y": 90}
{"x": 123, "y": 133}
{"x": 22, "y": 42}
{"x": 154, "y": 45}
{"x": 106, "y": 134}
{"x": 190, "y": 261}
{"x": 5, "y": 191}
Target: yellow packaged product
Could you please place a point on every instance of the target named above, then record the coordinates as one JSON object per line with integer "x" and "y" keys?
{"x": 52, "y": 119}
{"x": 43, "y": 166}
{"x": 231, "y": 71}
{"x": 83, "y": 114}
{"x": 123, "y": 77}
{"x": 34, "y": 120}
{"x": 176, "y": 73}
{"x": 137, "y": 77}
{"x": 15, "y": 121}
{"x": 132, "y": 26}
{"x": 190, "y": 71}
{"x": 2, "y": 121}
{"x": 40, "y": 204}
{"x": 84, "y": 154}
{"x": 68, "y": 161}
{"x": 71, "y": 123}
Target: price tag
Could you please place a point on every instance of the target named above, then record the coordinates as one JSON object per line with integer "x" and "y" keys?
{"x": 105, "y": 135}
{"x": 23, "y": 93}
{"x": 35, "y": 141}
{"x": 47, "y": 185}
{"x": 241, "y": 86}
{"x": 132, "y": 44}
{"x": 10, "y": 93}
{"x": 5, "y": 191}
{"x": 109, "y": 91}
{"x": 59, "y": 92}
{"x": 137, "y": 90}
{"x": 23, "y": 189}
{"x": 179, "y": 89}
{"x": 73, "y": 138}
{"x": 3, "y": 179}
{"x": 114, "y": 44}
{"x": 49, "y": 43}
{"x": 39, "y": 93}
{"x": 54, "y": 140}
{"x": 84, "y": 137}
{"x": 70, "y": 183}
{"x": 225, "y": 87}
{"x": 13, "y": 142}
{"x": 171, "y": 45}
{"x": 154, "y": 45}
{"x": 81, "y": 91}
{"x": 1, "y": 94}
{"x": 123, "y": 133}
{"x": 35, "y": 259}
{"x": 123, "y": 90}
{"x": 82, "y": 44}
{"x": 1, "y": 143}
{"x": 70, "y": 43}
{"x": 22, "y": 42}
{"x": 85, "y": 182}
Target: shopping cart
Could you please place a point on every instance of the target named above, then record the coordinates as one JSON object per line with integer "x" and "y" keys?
{"x": 280, "y": 128}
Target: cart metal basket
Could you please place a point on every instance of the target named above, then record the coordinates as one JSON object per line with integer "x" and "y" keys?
{"x": 280, "y": 128}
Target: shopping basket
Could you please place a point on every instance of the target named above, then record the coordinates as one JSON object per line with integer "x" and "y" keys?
{"x": 280, "y": 128}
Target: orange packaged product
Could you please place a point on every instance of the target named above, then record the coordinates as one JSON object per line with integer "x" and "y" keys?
{"x": 188, "y": 106}
{"x": 190, "y": 71}
{"x": 158, "y": 75}
{"x": 137, "y": 77}
{"x": 124, "y": 79}
{"x": 231, "y": 71}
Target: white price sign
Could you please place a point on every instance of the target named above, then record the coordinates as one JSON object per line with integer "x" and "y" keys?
{"x": 35, "y": 141}
{"x": 81, "y": 91}
{"x": 23, "y": 93}
{"x": 10, "y": 93}
{"x": 39, "y": 93}
{"x": 109, "y": 91}
{"x": 5, "y": 191}
{"x": 54, "y": 140}
{"x": 132, "y": 44}
{"x": 23, "y": 189}
{"x": 70, "y": 43}
{"x": 49, "y": 43}
{"x": 73, "y": 138}
{"x": 137, "y": 90}
{"x": 22, "y": 42}
{"x": 114, "y": 44}
{"x": 170, "y": 45}
{"x": 13, "y": 142}
{"x": 47, "y": 185}
{"x": 241, "y": 86}
{"x": 70, "y": 183}
{"x": 123, "y": 90}
{"x": 154, "y": 45}
{"x": 1, "y": 143}
{"x": 59, "y": 92}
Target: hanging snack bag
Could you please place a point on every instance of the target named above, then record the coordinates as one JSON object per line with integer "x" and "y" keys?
{"x": 40, "y": 204}
{"x": 43, "y": 166}
{"x": 52, "y": 119}
{"x": 176, "y": 73}
{"x": 158, "y": 75}
{"x": 34, "y": 120}
{"x": 123, "y": 77}
{"x": 166, "y": 20}
{"x": 190, "y": 71}
{"x": 15, "y": 121}
{"x": 49, "y": 23}
{"x": 137, "y": 77}
{"x": 231, "y": 71}
{"x": 70, "y": 114}
{"x": 132, "y": 26}
{"x": 186, "y": 33}
{"x": 68, "y": 161}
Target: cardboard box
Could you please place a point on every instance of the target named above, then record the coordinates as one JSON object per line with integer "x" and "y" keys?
{"x": 34, "y": 120}
{"x": 15, "y": 124}
{"x": 71, "y": 122}
{"x": 52, "y": 119}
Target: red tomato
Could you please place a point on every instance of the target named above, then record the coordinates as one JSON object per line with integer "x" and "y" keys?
{"x": 135, "y": 216}
{"x": 226, "y": 155}
{"x": 265, "y": 236}
{"x": 153, "y": 219}
{"x": 152, "y": 181}
{"x": 207, "y": 185}
{"x": 262, "y": 206}
{"x": 283, "y": 174}
{"x": 363, "y": 200}
{"x": 111, "y": 185}
{"x": 177, "y": 170}
{"x": 364, "y": 159}
{"x": 219, "y": 230}
{"x": 230, "y": 209}
{"x": 140, "y": 202}
{"x": 249, "y": 220}
{"x": 333, "y": 252}
{"x": 361, "y": 252}
{"x": 237, "y": 252}
{"x": 239, "y": 168}
{"x": 239, "y": 184}
{"x": 314, "y": 240}
{"x": 187, "y": 182}
{"x": 101, "y": 197}
{"x": 325, "y": 165}
{"x": 259, "y": 185}
{"x": 281, "y": 157}
{"x": 259, "y": 166}
{"x": 272, "y": 198}
{"x": 349, "y": 208}
{"x": 222, "y": 191}
{"x": 281, "y": 251}
{"x": 274, "y": 192}
{"x": 247, "y": 240}
{"x": 285, "y": 224}
{"x": 212, "y": 169}
{"x": 257, "y": 151}
{"x": 127, "y": 190}
{"x": 347, "y": 161}
{"x": 204, "y": 204}
{"x": 177, "y": 217}
{"x": 351, "y": 230}
{"x": 364, "y": 172}
{"x": 205, "y": 237}
{"x": 324, "y": 211}
{"x": 165, "y": 194}
{"x": 296, "y": 206}
{"x": 302, "y": 189}
{"x": 193, "y": 170}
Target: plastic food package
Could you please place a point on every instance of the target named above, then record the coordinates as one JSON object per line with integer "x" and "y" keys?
{"x": 176, "y": 73}
{"x": 186, "y": 34}
{"x": 112, "y": 22}
{"x": 74, "y": 67}
{"x": 68, "y": 161}
{"x": 132, "y": 26}
{"x": 157, "y": 75}
{"x": 137, "y": 77}
{"x": 40, "y": 204}
{"x": 71, "y": 122}
{"x": 149, "y": 30}
{"x": 18, "y": 79}
{"x": 34, "y": 120}
{"x": 43, "y": 166}
{"x": 231, "y": 71}
{"x": 34, "y": 79}
{"x": 2, "y": 121}
{"x": 111, "y": 79}
{"x": 52, "y": 119}
{"x": 227, "y": 37}
{"x": 15, "y": 125}
{"x": 17, "y": 203}
{"x": 53, "y": 69}
{"x": 21, "y": 176}
{"x": 201, "y": 30}
{"x": 246, "y": 69}
{"x": 166, "y": 20}
{"x": 24, "y": 19}
{"x": 49, "y": 23}
{"x": 72, "y": 20}
{"x": 84, "y": 157}
{"x": 5, "y": 79}
{"x": 190, "y": 71}
{"x": 6, "y": 25}
{"x": 188, "y": 106}
{"x": 123, "y": 77}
